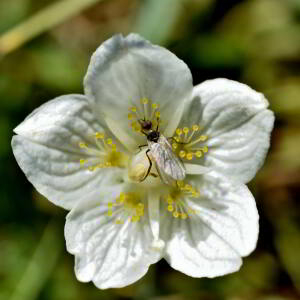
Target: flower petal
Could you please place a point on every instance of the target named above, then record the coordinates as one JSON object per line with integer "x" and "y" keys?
{"x": 237, "y": 123}
{"x": 109, "y": 254}
{"x": 223, "y": 228}
{"x": 46, "y": 148}
{"x": 122, "y": 71}
{"x": 154, "y": 220}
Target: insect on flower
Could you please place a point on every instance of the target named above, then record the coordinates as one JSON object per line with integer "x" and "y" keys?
{"x": 168, "y": 165}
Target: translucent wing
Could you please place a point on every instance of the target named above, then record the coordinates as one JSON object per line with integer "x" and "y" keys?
{"x": 168, "y": 165}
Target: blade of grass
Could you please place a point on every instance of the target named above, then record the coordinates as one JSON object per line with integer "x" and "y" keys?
{"x": 40, "y": 22}
{"x": 40, "y": 266}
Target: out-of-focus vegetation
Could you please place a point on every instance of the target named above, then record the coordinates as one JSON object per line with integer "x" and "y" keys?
{"x": 252, "y": 41}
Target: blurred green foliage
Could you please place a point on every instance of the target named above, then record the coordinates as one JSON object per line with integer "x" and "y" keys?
{"x": 252, "y": 41}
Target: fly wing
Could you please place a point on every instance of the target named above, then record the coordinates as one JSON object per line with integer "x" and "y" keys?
{"x": 168, "y": 165}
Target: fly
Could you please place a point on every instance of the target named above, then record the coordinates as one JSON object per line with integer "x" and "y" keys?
{"x": 168, "y": 165}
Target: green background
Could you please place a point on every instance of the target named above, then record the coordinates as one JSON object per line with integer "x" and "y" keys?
{"x": 253, "y": 41}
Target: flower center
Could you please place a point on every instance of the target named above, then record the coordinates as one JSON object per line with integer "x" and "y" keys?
{"x": 104, "y": 155}
{"x": 126, "y": 206}
{"x": 188, "y": 142}
{"x": 176, "y": 205}
{"x": 144, "y": 118}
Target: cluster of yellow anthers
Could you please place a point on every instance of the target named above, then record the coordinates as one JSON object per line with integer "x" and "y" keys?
{"x": 149, "y": 112}
{"x": 176, "y": 205}
{"x": 129, "y": 205}
{"x": 106, "y": 152}
{"x": 187, "y": 140}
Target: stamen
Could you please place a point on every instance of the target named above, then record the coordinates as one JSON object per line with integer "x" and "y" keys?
{"x": 144, "y": 100}
{"x": 149, "y": 113}
{"x": 183, "y": 146}
{"x": 128, "y": 206}
{"x": 99, "y": 135}
{"x": 104, "y": 155}
{"x": 83, "y": 145}
{"x": 182, "y": 153}
{"x": 189, "y": 156}
{"x": 176, "y": 205}
{"x": 174, "y": 146}
{"x": 178, "y": 131}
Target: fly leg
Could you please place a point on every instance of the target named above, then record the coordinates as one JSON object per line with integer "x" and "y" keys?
{"x": 141, "y": 146}
{"x": 150, "y": 165}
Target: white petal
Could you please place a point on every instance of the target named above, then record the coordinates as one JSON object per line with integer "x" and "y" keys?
{"x": 153, "y": 204}
{"x": 194, "y": 169}
{"x": 109, "y": 254}
{"x": 225, "y": 227}
{"x": 238, "y": 124}
{"x": 47, "y": 150}
{"x": 124, "y": 70}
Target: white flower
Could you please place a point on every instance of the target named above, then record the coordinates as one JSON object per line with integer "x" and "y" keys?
{"x": 82, "y": 153}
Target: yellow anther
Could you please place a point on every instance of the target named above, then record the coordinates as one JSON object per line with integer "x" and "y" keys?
{"x": 109, "y": 141}
{"x": 178, "y": 131}
{"x": 82, "y": 161}
{"x": 170, "y": 207}
{"x": 196, "y": 194}
{"x": 180, "y": 183}
{"x": 99, "y": 135}
{"x": 174, "y": 145}
{"x": 141, "y": 206}
{"x": 188, "y": 187}
{"x": 183, "y": 216}
{"x": 109, "y": 204}
{"x": 91, "y": 168}
{"x": 122, "y": 197}
{"x": 119, "y": 221}
{"x": 170, "y": 200}
{"x": 198, "y": 153}
{"x": 154, "y": 106}
{"x": 136, "y": 126}
{"x": 177, "y": 139}
{"x": 114, "y": 147}
{"x": 175, "y": 214}
{"x": 157, "y": 114}
{"x": 135, "y": 218}
{"x": 205, "y": 149}
{"x": 203, "y": 138}
{"x": 108, "y": 164}
{"x": 196, "y": 127}
{"x": 133, "y": 109}
{"x": 109, "y": 213}
{"x": 139, "y": 213}
{"x": 83, "y": 145}
{"x": 182, "y": 153}
{"x": 144, "y": 100}
{"x": 185, "y": 130}
{"x": 130, "y": 116}
{"x": 189, "y": 156}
